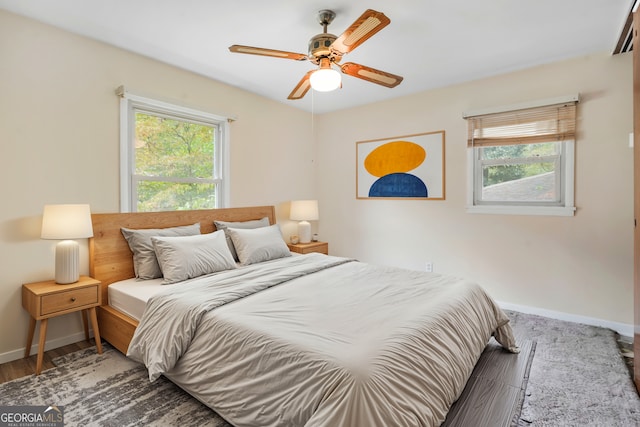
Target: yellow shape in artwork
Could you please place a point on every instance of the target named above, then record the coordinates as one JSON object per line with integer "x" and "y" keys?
{"x": 394, "y": 157}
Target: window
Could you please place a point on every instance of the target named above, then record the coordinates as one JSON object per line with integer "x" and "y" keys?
{"x": 172, "y": 157}
{"x": 521, "y": 161}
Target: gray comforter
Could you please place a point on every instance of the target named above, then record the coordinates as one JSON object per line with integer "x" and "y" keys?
{"x": 317, "y": 340}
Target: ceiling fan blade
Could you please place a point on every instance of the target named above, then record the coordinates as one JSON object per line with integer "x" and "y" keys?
{"x": 369, "y": 23}
{"x": 236, "y": 48}
{"x": 371, "y": 74}
{"x": 302, "y": 87}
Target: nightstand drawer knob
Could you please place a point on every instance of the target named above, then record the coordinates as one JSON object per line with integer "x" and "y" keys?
{"x": 73, "y": 299}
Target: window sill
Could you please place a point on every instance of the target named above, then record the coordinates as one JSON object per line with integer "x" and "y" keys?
{"x": 523, "y": 210}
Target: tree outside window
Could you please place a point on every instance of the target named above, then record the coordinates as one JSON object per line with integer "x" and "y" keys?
{"x": 174, "y": 164}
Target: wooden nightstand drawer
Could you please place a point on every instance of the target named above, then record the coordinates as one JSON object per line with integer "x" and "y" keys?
{"x": 69, "y": 300}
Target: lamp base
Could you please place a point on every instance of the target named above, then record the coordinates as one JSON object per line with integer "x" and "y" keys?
{"x": 304, "y": 231}
{"x": 67, "y": 262}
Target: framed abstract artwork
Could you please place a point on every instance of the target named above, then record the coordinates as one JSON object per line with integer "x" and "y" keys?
{"x": 402, "y": 167}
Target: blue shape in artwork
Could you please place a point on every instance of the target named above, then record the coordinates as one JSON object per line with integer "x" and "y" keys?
{"x": 398, "y": 185}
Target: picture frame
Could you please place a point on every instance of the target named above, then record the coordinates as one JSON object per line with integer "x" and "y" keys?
{"x": 407, "y": 167}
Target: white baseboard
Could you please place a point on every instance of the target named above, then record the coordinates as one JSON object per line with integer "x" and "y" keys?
{"x": 58, "y": 342}
{"x": 623, "y": 329}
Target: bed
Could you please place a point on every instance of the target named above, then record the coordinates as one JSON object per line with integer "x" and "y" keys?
{"x": 311, "y": 340}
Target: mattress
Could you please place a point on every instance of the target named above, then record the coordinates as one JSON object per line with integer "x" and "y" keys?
{"x": 130, "y": 296}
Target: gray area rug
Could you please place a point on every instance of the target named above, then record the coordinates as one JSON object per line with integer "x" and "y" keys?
{"x": 108, "y": 389}
{"x": 577, "y": 378}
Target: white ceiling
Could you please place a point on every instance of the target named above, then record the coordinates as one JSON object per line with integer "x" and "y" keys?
{"x": 431, "y": 43}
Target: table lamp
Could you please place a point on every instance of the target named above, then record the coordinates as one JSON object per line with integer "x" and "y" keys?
{"x": 66, "y": 222}
{"x": 304, "y": 211}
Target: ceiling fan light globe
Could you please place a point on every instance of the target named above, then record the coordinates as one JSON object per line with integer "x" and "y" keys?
{"x": 325, "y": 80}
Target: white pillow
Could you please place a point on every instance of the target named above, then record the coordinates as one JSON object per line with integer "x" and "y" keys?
{"x": 183, "y": 258}
{"x": 145, "y": 264}
{"x": 259, "y": 244}
{"x": 225, "y": 225}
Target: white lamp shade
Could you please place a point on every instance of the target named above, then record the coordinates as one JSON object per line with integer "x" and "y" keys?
{"x": 65, "y": 222}
{"x": 304, "y": 210}
{"x": 61, "y": 222}
{"x": 325, "y": 80}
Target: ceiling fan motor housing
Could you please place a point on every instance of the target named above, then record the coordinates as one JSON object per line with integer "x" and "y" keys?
{"x": 319, "y": 45}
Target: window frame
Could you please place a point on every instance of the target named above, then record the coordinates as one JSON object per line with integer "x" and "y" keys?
{"x": 516, "y": 208}
{"x": 130, "y": 104}
{"x": 566, "y": 206}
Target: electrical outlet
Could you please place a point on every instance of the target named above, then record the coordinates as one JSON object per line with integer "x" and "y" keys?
{"x": 428, "y": 267}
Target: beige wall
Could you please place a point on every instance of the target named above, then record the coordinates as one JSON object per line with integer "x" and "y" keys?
{"x": 59, "y": 143}
{"x": 579, "y": 265}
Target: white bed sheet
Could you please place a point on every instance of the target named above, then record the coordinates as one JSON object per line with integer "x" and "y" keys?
{"x": 130, "y": 296}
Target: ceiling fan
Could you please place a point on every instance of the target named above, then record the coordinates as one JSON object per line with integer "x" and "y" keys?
{"x": 327, "y": 50}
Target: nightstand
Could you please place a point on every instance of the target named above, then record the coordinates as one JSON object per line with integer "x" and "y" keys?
{"x": 44, "y": 300}
{"x": 305, "y": 248}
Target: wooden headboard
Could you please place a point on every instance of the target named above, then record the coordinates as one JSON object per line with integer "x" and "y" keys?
{"x": 110, "y": 258}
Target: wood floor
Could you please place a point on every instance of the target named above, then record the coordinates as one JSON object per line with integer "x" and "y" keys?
{"x": 494, "y": 392}
{"x": 24, "y": 367}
